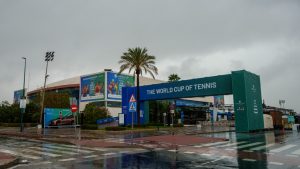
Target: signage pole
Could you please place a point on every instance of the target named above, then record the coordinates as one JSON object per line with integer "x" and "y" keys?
{"x": 132, "y": 120}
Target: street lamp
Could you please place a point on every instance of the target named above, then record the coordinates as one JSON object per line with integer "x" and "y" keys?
{"x": 23, "y": 100}
{"x": 49, "y": 57}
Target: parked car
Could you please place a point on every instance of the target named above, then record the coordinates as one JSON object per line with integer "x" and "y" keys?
{"x": 66, "y": 120}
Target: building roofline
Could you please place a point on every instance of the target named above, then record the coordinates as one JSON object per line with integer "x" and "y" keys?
{"x": 54, "y": 88}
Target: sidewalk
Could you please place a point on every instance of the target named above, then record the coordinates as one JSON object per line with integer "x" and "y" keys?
{"x": 105, "y": 138}
{"x": 7, "y": 160}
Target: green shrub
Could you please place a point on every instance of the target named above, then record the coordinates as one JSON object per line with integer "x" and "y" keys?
{"x": 89, "y": 126}
{"x": 138, "y": 126}
{"x": 155, "y": 124}
{"x": 115, "y": 128}
{"x": 92, "y": 113}
{"x": 178, "y": 125}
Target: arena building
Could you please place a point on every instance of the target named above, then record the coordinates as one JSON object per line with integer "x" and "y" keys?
{"x": 105, "y": 88}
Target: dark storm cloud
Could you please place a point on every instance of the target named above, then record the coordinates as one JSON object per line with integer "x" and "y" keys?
{"x": 89, "y": 36}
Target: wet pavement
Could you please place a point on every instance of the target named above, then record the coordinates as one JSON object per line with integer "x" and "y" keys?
{"x": 256, "y": 150}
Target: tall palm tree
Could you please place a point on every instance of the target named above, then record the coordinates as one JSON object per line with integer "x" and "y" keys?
{"x": 138, "y": 60}
{"x": 173, "y": 77}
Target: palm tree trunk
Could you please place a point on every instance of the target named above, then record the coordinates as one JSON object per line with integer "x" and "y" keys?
{"x": 138, "y": 96}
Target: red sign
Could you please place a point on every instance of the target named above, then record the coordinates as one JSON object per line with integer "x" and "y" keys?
{"x": 74, "y": 108}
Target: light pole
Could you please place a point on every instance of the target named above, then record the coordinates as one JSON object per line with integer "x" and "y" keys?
{"x": 23, "y": 100}
{"x": 49, "y": 57}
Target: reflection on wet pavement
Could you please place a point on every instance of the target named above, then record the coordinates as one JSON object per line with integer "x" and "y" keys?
{"x": 256, "y": 150}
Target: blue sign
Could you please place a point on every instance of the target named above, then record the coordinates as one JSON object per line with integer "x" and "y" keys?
{"x": 132, "y": 107}
{"x": 107, "y": 120}
{"x": 18, "y": 94}
{"x": 190, "y": 103}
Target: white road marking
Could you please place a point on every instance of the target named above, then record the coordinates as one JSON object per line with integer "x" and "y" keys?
{"x": 91, "y": 156}
{"x": 189, "y": 152}
{"x": 214, "y": 144}
{"x": 204, "y": 154}
{"x": 248, "y": 145}
{"x": 277, "y": 150}
{"x": 232, "y": 144}
{"x": 248, "y": 159}
{"x": 296, "y": 152}
{"x": 262, "y": 147}
{"x": 198, "y": 146}
{"x": 16, "y": 166}
{"x": 108, "y": 154}
{"x": 42, "y": 153}
{"x": 212, "y": 161}
{"x": 53, "y": 150}
{"x": 68, "y": 149}
{"x": 275, "y": 163}
{"x": 229, "y": 157}
{"x": 290, "y": 155}
{"x": 230, "y": 149}
{"x": 20, "y": 154}
{"x": 64, "y": 145}
{"x": 68, "y": 159}
{"x": 172, "y": 150}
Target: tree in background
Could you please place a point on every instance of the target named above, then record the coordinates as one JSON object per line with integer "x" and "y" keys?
{"x": 54, "y": 100}
{"x": 10, "y": 113}
{"x": 173, "y": 77}
{"x": 138, "y": 60}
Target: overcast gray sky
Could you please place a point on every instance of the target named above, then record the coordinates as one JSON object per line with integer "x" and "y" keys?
{"x": 191, "y": 38}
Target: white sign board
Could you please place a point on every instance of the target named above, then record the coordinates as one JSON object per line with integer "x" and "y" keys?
{"x": 22, "y": 103}
{"x": 121, "y": 119}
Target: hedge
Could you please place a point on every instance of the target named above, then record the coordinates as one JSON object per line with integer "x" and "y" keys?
{"x": 115, "y": 128}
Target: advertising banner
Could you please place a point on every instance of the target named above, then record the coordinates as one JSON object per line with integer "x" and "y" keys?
{"x": 58, "y": 117}
{"x": 92, "y": 87}
{"x": 18, "y": 94}
{"x": 208, "y": 86}
{"x": 115, "y": 82}
{"x": 219, "y": 101}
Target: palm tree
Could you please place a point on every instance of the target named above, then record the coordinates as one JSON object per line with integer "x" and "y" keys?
{"x": 139, "y": 60}
{"x": 173, "y": 77}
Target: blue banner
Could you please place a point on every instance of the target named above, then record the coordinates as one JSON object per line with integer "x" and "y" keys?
{"x": 18, "y": 94}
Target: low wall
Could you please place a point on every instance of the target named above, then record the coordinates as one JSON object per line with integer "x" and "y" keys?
{"x": 224, "y": 123}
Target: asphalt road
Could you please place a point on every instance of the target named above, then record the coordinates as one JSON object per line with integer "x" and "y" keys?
{"x": 259, "y": 151}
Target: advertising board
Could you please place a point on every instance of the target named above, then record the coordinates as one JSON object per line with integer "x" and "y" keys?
{"x": 219, "y": 101}
{"x": 18, "y": 94}
{"x": 58, "y": 117}
{"x": 115, "y": 82}
{"x": 92, "y": 87}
